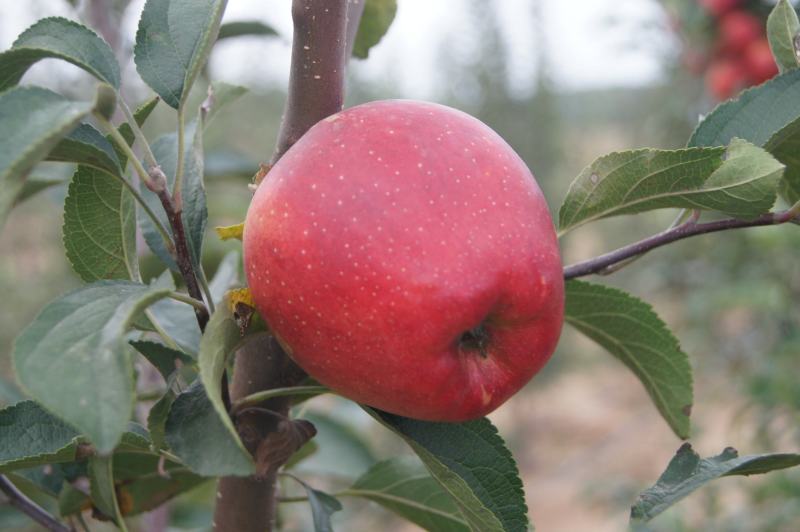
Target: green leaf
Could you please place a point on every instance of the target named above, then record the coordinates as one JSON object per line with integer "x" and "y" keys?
{"x": 197, "y": 435}
{"x": 741, "y": 182}
{"x": 165, "y": 359}
{"x": 631, "y": 331}
{"x": 46, "y": 479}
{"x": 87, "y": 146}
{"x": 220, "y": 338}
{"x": 754, "y": 116}
{"x": 100, "y": 227}
{"x": 195, "y": 212}
{"x": 378, "y": 16}
{"x": 57, "y": 37}
{"x": 157, "y": 419}
{"x": 34, "y": 185}
{"x": 39, "y": 119}
{"x": 323, "y": 506}
{"x": 226, "y": 276}
{"x": 245, "y": 27}
{"x": 31, "y": 436}
{"x": 472, "y": 464}
{"x": 176, "y": 318}
{"x": 686, "y": 472}
{"x": 140, "y": 486}
{"x": 785, "y": 146}
{"x": 173, "y": 43}
{"x": 141, "y": 114}
{"x": 782, "y": 29}
{"x": 9, "y": 392}
{"x": 343, "y": 452}
{"x": 404, "y": 486}
{"x": 71, "y": 500}
{"x": 101, "y": 486}
{"x": 73, "y": 358}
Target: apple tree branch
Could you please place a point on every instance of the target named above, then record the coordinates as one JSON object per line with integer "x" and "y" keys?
{"x": 688, "y": 229}
{"x": 320, "y": 49}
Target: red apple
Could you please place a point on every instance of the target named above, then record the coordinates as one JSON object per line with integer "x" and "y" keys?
{"x": 738, "y": 29}
{"x": 725, "y": 77}
{"x": 719, "y": 7}
{"x": 759, "y": 62}
{"x": 404, "y": 256}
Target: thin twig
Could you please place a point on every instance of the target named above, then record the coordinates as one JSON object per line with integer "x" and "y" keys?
{"x": 122, "y": 145}
{"x": 685, "y": 230}
{"x": 138, "y": 134}
{"x": 18, "y": 500}
{"x": 182, "y": 256}
{"x": 177, "y": 187}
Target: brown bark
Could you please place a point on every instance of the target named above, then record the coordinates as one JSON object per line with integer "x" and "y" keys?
{"x": 247, "y": 504}
{"x": 316, "y": 79}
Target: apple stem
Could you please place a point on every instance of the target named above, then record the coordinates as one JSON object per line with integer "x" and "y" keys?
{"x": 688, "y": 229}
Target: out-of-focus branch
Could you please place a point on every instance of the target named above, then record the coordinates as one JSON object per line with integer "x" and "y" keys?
{"x": 18, "y": 500}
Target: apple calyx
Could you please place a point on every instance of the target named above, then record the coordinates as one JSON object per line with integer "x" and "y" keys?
{"x": 474, "y": 340}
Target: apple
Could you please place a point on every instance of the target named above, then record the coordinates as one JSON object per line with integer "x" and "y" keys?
{"x": 759, "y": 62}
{"x": 738, "y": 29}
{"x": 720, "y": 7}
{"x": 403, "y": 255}
{"x": 725, "y": 77}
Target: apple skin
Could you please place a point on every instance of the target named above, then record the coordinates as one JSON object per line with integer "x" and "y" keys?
{"x": 387, "y": 232}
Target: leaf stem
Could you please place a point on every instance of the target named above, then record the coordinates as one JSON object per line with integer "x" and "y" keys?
{"x": 123, "y": 146}
{"x": 138, "y": 133}
{"x": 177, "y": 187}
{"x": 189, "y": 300}
{"x": 150, "y": 214}
{"x": 161, "y": 331}
{"x": 685, "y": 230}
{"x": 258, "y": 397}
{"x": 206, "y": 289}
{"x": 21, "y": 502}
{"x": 182, "y": 255}
{"x": 156, "y": 181}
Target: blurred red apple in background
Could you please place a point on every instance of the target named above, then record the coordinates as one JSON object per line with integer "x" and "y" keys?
{"x": 738, "y": 29}
{"x": 725, "y": 77}
{"x": 404, "y": 256}
{"x": 719, "y": 7}
{"x": 759, "y": 62}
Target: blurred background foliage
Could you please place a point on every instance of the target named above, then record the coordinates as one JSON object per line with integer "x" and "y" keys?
{"x": 584, "y": 433}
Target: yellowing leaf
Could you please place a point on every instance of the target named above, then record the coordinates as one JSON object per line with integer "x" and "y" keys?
{"x": 229, "y": 232}
{"x": 240, "y": 296}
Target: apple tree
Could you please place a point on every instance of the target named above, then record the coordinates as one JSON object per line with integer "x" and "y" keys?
{"x": 238, "y": 362}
